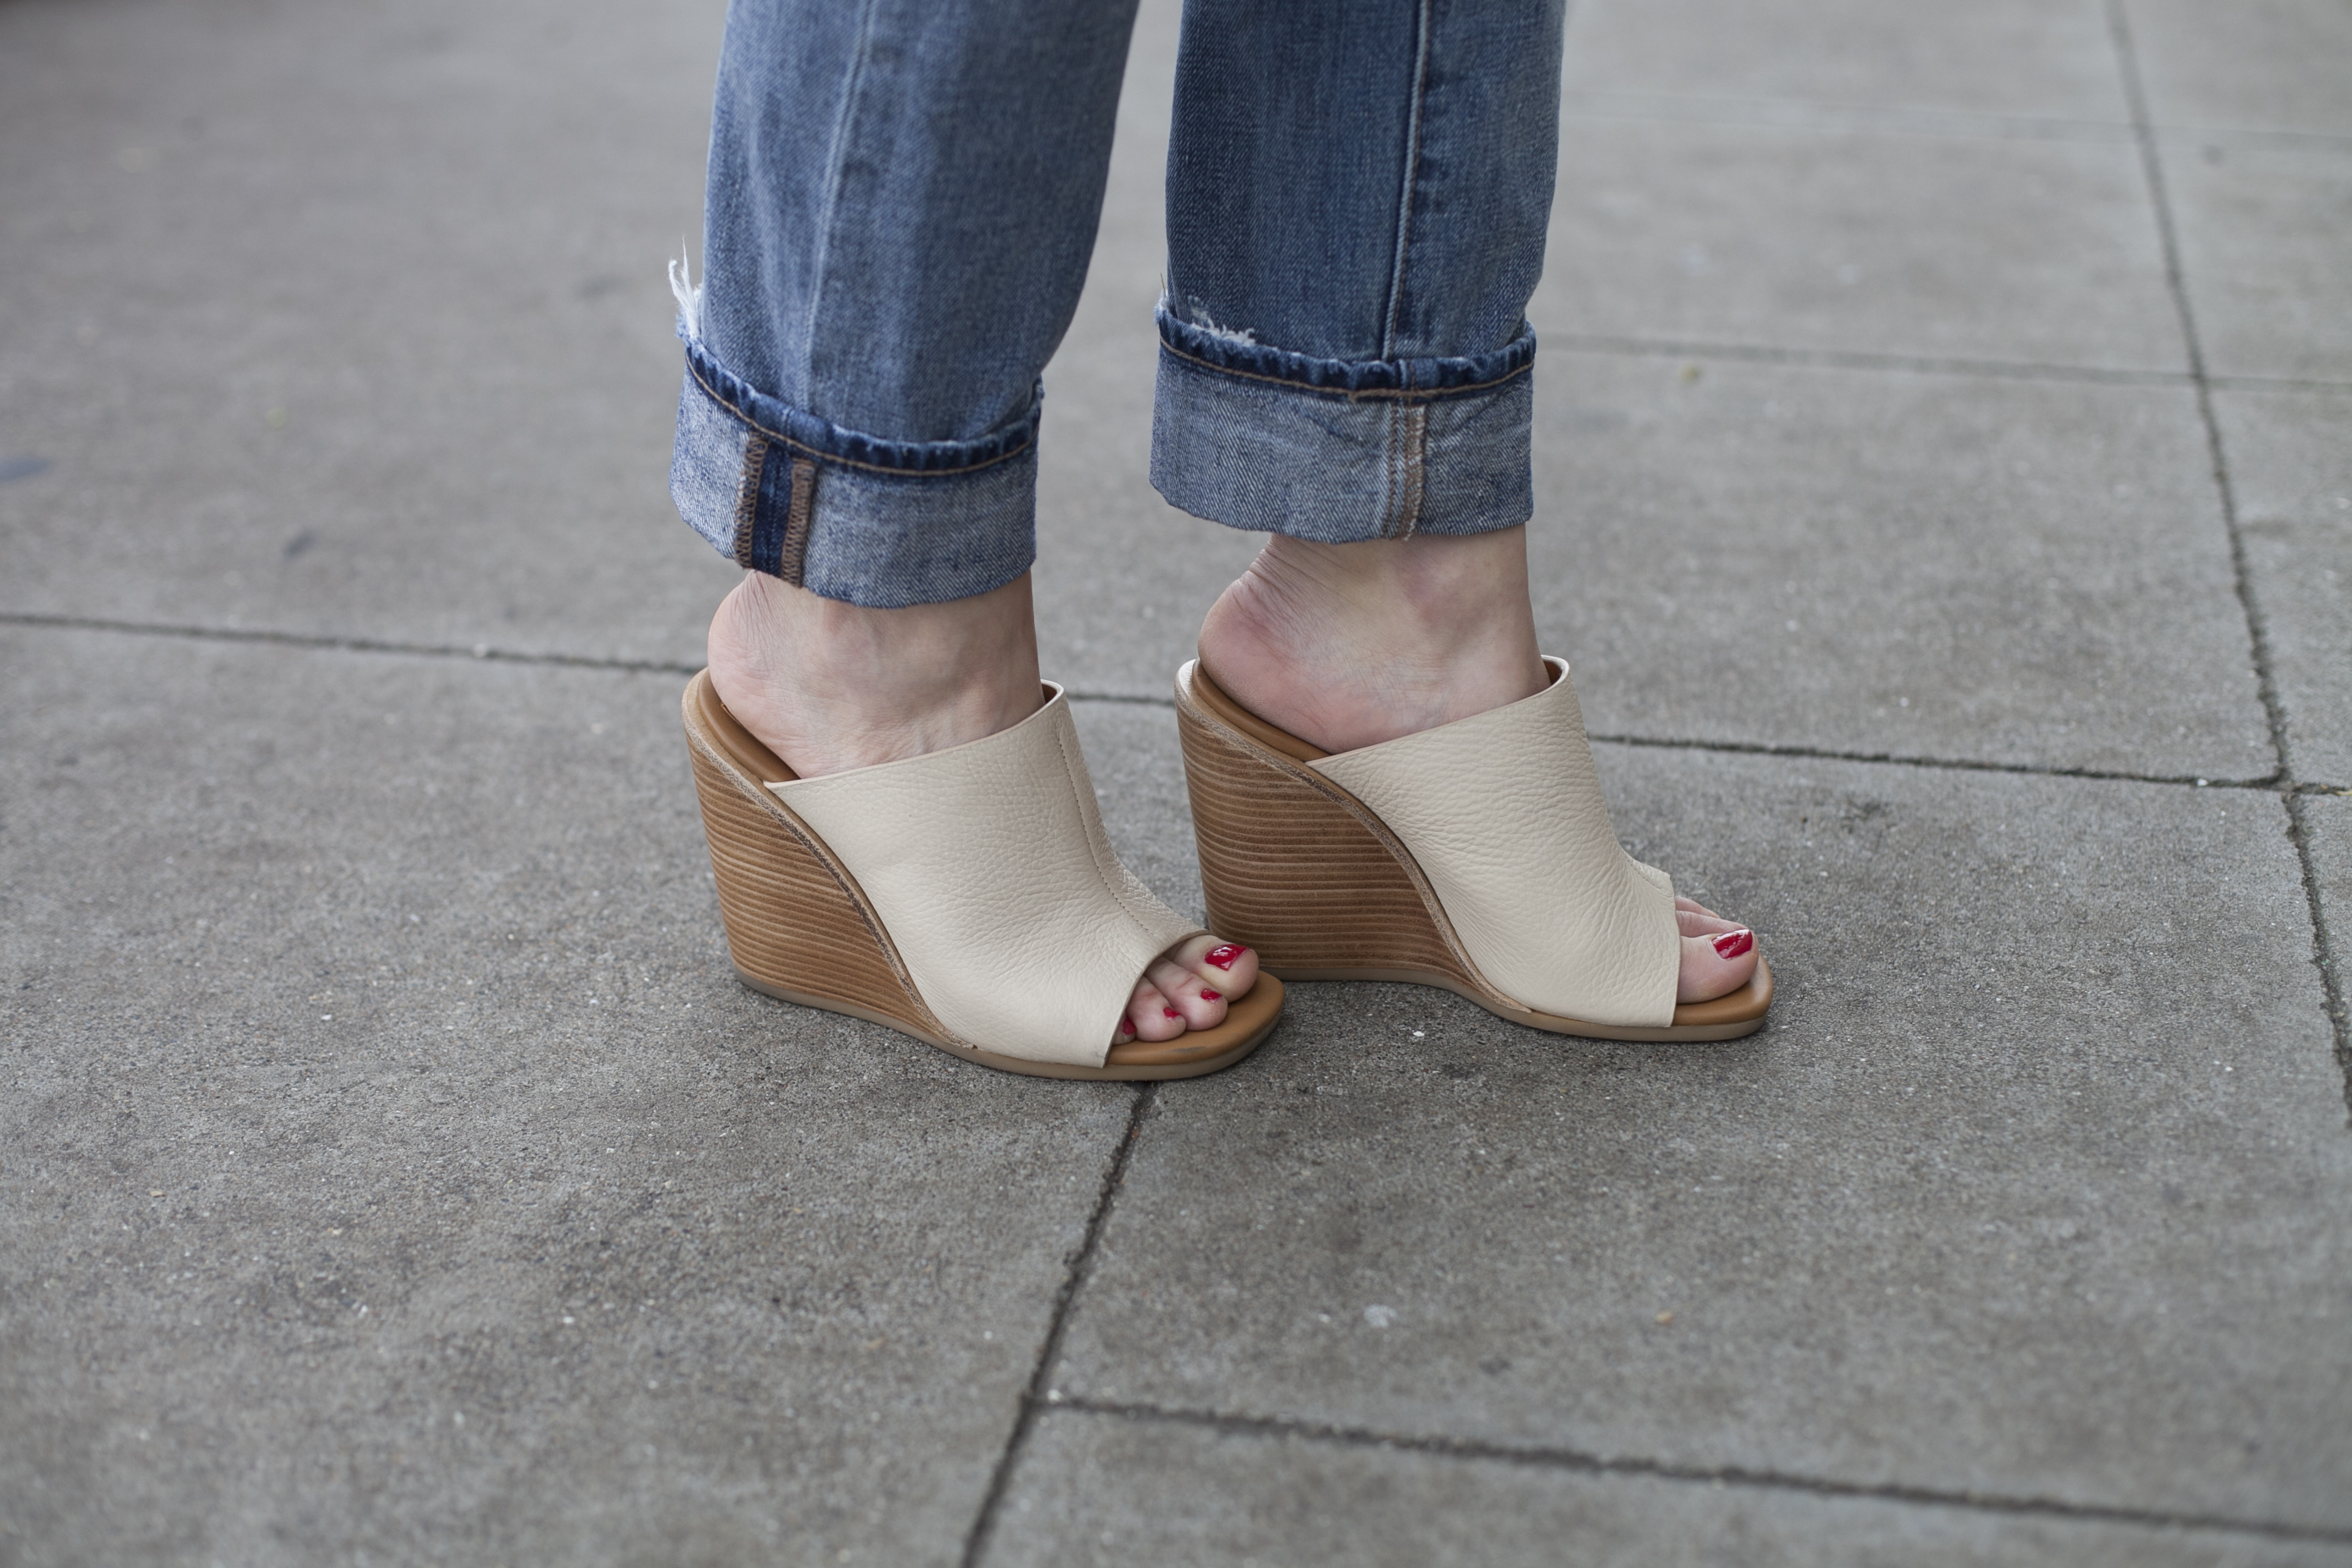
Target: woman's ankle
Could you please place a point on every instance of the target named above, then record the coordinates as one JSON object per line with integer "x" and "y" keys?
{"x": 1350, "y": 645}
{"x": 829, "y": 686}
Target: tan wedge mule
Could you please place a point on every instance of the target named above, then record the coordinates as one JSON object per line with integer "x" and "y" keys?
{"x": 968, "y": 898}
{"x": 1476, "y": 856}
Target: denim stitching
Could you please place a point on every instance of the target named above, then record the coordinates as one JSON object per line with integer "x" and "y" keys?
{"x": 791, "y": 558}
{"x": 1404, "y": 467}
{"x": 823, "y": 456}
{"x": 1366, "y": 394}
{"x": 767, "y": 538}
{"x": 747, "y": 499}
{"x": 1389, "y": 473}
{"x": 1413, "y": 457}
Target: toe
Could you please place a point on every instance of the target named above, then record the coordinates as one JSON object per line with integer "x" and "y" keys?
{"x": 1203, "y": 1004}
{"x": 1225, "y": 967}
{"x": 1716, "y": 964}
{"x": 1695, "y": 919}
{"x": 1150, "y": 1016}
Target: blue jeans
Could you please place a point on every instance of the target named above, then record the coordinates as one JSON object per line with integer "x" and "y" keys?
{"x": 902, "y": 198}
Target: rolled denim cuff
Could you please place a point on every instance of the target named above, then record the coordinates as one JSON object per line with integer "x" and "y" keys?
{"x": 1342, "y": 450}
{"x": 880, "y": 523}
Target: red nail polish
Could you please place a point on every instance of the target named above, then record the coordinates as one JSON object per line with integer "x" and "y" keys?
{"x": 1209, "y": 995}
{"x": 1732, "y": 943}
{"x": 1224, "y": 956}
{"x": 1172, "y": 1012}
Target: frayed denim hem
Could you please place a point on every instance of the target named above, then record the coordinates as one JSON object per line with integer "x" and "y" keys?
{"x": 885, "y": 524}
{"x": 1340, "y": 451}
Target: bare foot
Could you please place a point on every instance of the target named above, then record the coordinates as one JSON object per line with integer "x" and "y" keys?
{"x": 1350, "y": 645}
{"x": 829, "y": 686}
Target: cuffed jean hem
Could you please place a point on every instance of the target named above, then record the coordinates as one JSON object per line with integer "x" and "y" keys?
{"x": 1342, "y": 450}
{"x": 880, "y": 523}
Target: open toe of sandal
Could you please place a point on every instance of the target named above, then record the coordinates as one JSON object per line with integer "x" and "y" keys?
{"x": 1477, "y": 856}
{"x": 967, "y": 897}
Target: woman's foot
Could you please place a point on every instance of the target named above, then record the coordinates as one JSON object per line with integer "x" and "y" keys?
{"x": 1350, "y": 645}
{"x": 829, "y": 686}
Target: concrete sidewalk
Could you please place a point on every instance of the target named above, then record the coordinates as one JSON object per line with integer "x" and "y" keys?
{"x": 1945, "y": 493}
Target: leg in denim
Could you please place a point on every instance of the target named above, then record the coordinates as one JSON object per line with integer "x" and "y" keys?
{"x": 903, "y": 195}
{"x": 1357, "y": 198}
{"x": 902, "y": 198}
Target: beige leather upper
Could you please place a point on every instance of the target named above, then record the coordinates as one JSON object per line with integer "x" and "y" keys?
{"x": 989, "y": 865}
{"x": 1504, "y": 814}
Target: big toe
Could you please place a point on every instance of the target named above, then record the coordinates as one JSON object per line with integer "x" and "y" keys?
{"x": 1227, "y": 968}
{"x": 1716, "y": 965}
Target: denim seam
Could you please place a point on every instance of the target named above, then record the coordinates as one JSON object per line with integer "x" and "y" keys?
{"x": 1368, "y": 395}
{"x": 747, "y": 499}
{"x": 792, "y": 562}
{"x": 1417, "y": 480}
{"x": 1408, "y": 468}
{"x": 818, "y": 455}
{"x": 1412, "y": 179}
{"x": 1392, "y": 490}
{"x": 1403, "y": 465}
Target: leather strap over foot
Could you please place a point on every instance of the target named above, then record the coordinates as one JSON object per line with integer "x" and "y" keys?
{"x": 1503, "y": 812}
{"x": 989, "y": 865}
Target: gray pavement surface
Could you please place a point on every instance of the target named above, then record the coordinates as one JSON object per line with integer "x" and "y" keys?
{"x": 1106, "y": 1489}
{"x": 1943, "y": 492}
{"x": 2291, "y": 469}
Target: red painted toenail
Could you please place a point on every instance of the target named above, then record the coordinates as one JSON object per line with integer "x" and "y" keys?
{"x": 1209, "y": 995}
{"x": 1170, "y": 1013}
{"x": 1732, "y": 943}
{"x": 1224, "y": 956}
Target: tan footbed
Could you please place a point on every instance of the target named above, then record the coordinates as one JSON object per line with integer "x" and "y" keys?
{"x": 1298, "y": 868}
{"x": 800, "y": 929}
